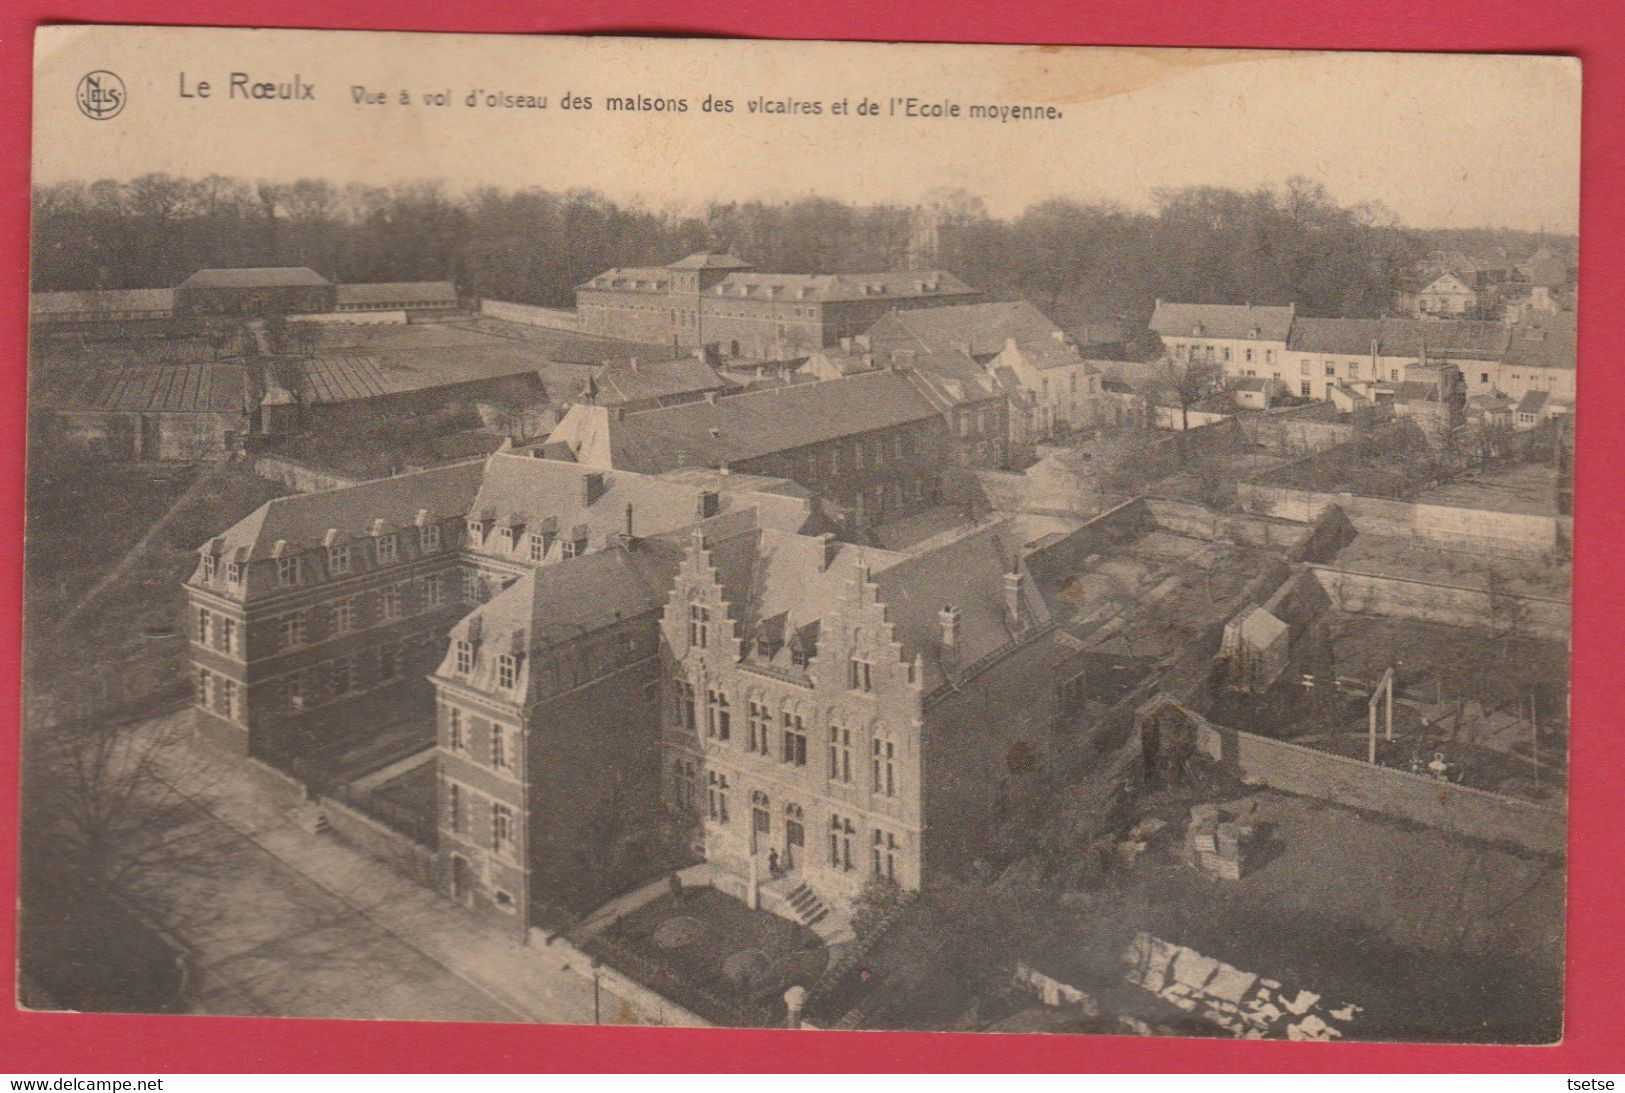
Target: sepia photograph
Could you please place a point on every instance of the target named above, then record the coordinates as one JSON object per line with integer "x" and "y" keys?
{"x": 799, "y": 535}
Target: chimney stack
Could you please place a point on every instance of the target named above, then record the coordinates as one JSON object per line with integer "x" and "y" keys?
{"x": 633, "y": 363}
{"x": 710, "y": 504}
{"x": 1012, "y": 596}
{"x": 629, "y": 521}
{"x": 592, "y": 487}
{"x": 949, "y": 618}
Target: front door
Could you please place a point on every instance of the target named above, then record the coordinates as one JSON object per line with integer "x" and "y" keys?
{"x": 460, "y": 880}
{"x": 794, "y": 839}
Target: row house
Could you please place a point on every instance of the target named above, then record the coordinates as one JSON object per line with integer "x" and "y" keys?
{"x": 835, "y": 715}
{"x": 1242, "y": 339}
{"x": 1056, "y": 389}
{"x": 712, "y": 299}
{"x": 869, "y": 446}
{"x": 316, "y": 619}
{"x": 317, "y": 615}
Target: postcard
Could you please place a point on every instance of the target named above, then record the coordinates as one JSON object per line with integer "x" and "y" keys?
{"x": 799, "y": 534}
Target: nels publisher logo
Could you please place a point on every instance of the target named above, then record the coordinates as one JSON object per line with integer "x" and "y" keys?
{"x": 101, "y": 95}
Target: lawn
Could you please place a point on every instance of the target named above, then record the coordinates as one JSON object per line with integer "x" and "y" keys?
{"x": 712, "y": 942}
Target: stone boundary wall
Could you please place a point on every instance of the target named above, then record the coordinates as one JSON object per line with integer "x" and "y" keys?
{"x": 1356, "y": 784}
{"x": 378, "y": 840}
{"x": 1513, "y": 533}
{"x": 353, "y": 318}
{"x": 1293, "y": 437}
{"x": 530, "y": 315}
{"x": 1453, "y": 605}
{"x": 288, "y": 791}
{"x": 299, "y": 476}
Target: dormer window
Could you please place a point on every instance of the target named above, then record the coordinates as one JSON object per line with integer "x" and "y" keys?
{"x": 208, "y": 567}
{"x": 507, "y": 671}
{"x": 465, "y": 657}
{"x": 234, "y": 573}
{"x": 387, "y": 549}
{"x": 505, "y": 537}
{"x": 287, "y": 571}
{"x": 538, "y": 547}
{"x": 429, "y": 538}
{"x": 476, "y": 532}
{"x": 338, "y": 559}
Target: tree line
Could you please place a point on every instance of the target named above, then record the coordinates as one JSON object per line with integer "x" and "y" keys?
{"x": 1081, "y": 262}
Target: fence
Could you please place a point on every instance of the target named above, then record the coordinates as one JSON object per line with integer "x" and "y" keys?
{"x": 529, "y": 314}
{"x": 299, "y": 476}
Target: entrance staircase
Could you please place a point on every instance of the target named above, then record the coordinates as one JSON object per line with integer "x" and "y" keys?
{"x": 807, "y": 906}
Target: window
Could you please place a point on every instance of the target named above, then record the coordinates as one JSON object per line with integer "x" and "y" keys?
{"x": 292, "y": 630}
{"x": 454, "y": 806}
{"x": 1304, "y": 388}
{"x": 841, "y": 831}
{"x": 204, "y": 692}
{"x": 205, "y": 626}
{"x": 1393, "y": 374}
{"x": 1331, "y": 371}
{"x": 454, "y": 729}
{"x": 465, "y": 657}
{"x": 858, "y": 675}
{"x": 292, "y": 693}
{"x": 699, "y": 628}
{"x": 538, "y": 548}
{"x": 505, "y": 537}
{"x": 287, "y": 571}
{"x": 500, "y": 758}
{"x": 717, "y": 717}
{"x": 208, "y": 567}
{"x": 342, "y": 675}
{"x": 840, "y": 754}
{"x": 434, "y": 590}
{"x": 1249, "y": 355}
{"x": 338, "y": 559}
{"x": 571, "y": 547}
{"x": 885, "y": 854}
{"x": 226, "y": 698}
{"x": 389, "y": 603}
{"x": 1483, "y": 377}
{"x": 759, "y": 728}
{"x": 507, "y": 671}
{"x": 795, "y": 740}
{"x": 883, "y": 767}
{"x": 389, "y": 660}
{"x": 387, "y": 549}
{"x": 502, "y": 834}
{"x": 683, "y": 699}
{"x": 1303, "y": 367}
{"x": 429, "y": 538}
{"x": 234, "y": 573}
{"x": 683, "y": 783}
{"x": 476, "y": 532}
{"x": 227, "y": 637}
{"x": 344, "y": 618}
{"x": 717, "y": 798}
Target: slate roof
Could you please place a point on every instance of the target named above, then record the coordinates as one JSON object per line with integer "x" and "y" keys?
{"x": 529, "y": 494}
{"x": 710, "y": 259}
{"x": 209, "y": 388}
{"x": 257, "y": 277}
{"x": 1533, "y": 402}
{"x": 838, "y": 287}
{"x": 950, "y": 379}
{"x": 1462, "y": 339}
{"x": 101, "y": 300}
{"x": 621, "y": 382}
{"x": 1546, "y": 341}
{"x": 1259, "y": 628}
{"x": 1249, "y": 383}
{"x": 303, "y": 519}
{"x": 1347, "y": 336}
{"x": 389, "y": 292}
{"x": 739, "y": 427}
{"x": 1222, "y": 321}
{"x": 985, "y": 328}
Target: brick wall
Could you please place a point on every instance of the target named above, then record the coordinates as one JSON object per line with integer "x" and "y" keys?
{"x": 1452, "y": 605}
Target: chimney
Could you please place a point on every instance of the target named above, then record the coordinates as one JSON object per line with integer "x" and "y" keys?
{"x": 831, "y": 548}
{"x": 632, "y": 363}
{"x": 629, "y": 521}
{"x": 711, "y": 397}
{"x": 592, "y": 487}
{"x": 949, "y": 618}
{"x": 1059, "y": 335}
{"x": 710, "y": 503}
{"x": 1012, "y": 597}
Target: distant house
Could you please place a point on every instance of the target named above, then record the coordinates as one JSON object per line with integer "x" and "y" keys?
{"x": 1538, "y": 407}
{"x": 980, "y": 331}
{"x": 1255, "y": 647}
{"x": 1060, "y": 386}
{"x": 256, "y": 291}
{"x": 1450, "y": 294}
{"x": 397, "y": 296}
{"x": 101, "y": 306}
{"x": 645, "y": 385}
{"x": 1244, "y": 340}
{"x": 1251, "y": 392}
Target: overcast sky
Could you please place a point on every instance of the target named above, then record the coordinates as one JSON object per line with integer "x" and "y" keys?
{"x": 1443, "y": 141}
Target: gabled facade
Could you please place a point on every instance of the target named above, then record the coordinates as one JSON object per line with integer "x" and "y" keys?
{"x": 1061, "y": 390}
